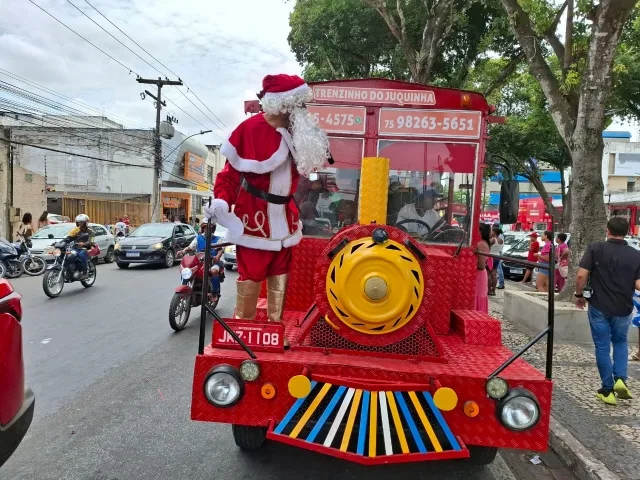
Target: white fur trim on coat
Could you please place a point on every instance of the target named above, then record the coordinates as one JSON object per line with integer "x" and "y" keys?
{"x": 304, "y": 88}
{"x": 220, "y": 213}
{"x": 268, "y": 244}
{"x": 255, "y": 166}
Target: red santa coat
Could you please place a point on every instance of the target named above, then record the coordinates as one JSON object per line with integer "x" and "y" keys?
{"x": 262, "y": 155}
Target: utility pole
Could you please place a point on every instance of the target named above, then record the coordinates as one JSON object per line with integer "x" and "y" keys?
{"x": 157, "y": 165}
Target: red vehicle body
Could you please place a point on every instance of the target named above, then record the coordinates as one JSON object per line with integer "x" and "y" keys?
{"x": 420, "y": 391}
{"x": 628, "y": 211}
{"x": 16, "y": 403}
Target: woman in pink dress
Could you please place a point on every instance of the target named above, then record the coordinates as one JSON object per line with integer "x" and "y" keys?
{"x": 562, "y": 256}
{"x": 482, "y": 276}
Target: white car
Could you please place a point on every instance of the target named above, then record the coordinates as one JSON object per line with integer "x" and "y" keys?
{"x": 47, "y": 236}
{"x": 53, "y": 218}
{"x": 512, "y": 238}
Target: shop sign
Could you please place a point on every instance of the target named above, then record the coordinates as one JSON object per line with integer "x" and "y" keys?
{"x": 193, "y": 167}
{"x": 374, "y": 95}
{"x": 430, "y": 123}
{"x": 168, "y": 202}
{"x": 334, "y": 119}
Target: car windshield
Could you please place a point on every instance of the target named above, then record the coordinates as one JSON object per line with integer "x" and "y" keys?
{"x": 153, "y": 230}
{"x": 58, "y": 231}
{"x": 428, "y": 181}
{"x": 522, "y": 246}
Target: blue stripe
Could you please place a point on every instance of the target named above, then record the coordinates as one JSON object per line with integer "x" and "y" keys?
{"x": 334, "y": 401}
{"x": 287, "y": 418}
{"x": 447, "y": 431}
{"x": 364, "y": 422}
{"x": 409, "y": 419}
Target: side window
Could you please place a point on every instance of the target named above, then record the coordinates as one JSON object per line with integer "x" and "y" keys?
{"x": 189, "y": 231}
{"x": 99, "y": 231}
{"x": 179, "y": 230}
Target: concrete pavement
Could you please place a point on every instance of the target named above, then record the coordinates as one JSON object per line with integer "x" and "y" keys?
{"x": 113, "y": 390}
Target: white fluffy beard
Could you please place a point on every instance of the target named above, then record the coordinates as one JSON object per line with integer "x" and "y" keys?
{"x": 310, "y": 143}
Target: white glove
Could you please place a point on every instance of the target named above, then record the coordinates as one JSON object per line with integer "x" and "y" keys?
{"x": 219, "y": 212}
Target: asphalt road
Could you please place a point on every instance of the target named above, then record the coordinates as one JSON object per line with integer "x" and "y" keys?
{"x": 113, "y": 390}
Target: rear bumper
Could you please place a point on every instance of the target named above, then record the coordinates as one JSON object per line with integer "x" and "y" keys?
{"x": 229, "y": 259}
{"x": 12, "y": 434}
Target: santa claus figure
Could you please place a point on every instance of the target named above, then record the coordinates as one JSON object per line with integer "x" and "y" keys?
{"x": 253, "y": 193}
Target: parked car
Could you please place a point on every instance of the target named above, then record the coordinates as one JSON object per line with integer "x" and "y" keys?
{"x": 53, "y": 218}
{"x": 154, "y": 243}
{"x": 45, "y": 237}
{"x": 520, "y": 251}
{"x": 16, "y": 402}
{"x": 511, "y": 239}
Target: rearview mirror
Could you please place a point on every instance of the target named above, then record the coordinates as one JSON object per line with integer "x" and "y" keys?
{"x": 50, "y": 235}
{"x": 509, "y": 201}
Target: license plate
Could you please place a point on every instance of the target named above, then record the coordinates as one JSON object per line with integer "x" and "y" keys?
{"x": 133, "y": 254}
{"x": 266, "y": 337}
{"x": 517, "y": 271}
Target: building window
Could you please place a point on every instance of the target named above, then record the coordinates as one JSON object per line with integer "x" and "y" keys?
{"x": 631, "y": 186}
{"x": 612, "y": 163}
{"x": 209, "y": 174}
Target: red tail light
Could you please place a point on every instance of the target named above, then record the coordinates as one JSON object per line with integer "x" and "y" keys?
{"x": 10, "y": 300}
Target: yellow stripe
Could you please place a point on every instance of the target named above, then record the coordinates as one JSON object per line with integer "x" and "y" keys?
{"x": 312, "y": 408}
{"x": 396, "y": 421}
{"x": 425, "y": 422}
{"x": 350, "y": 421}
{"x": 373, "y": 424}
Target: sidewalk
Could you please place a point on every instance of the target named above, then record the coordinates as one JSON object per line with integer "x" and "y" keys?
{"x": 611, "y": 434}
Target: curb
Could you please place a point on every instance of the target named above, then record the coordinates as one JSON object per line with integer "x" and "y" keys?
{"x": 576, "y": 456}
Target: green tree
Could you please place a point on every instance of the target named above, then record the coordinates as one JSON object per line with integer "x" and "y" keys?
{"x": 578, "y": 96}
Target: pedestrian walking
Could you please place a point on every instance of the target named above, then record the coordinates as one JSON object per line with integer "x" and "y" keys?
{"x": 562, "y": 254}
{"x": 542, "y": 282}
{"x": 534, "y": 248}
{"x": 25, "y": 230}
{"x": 608, "y": 276}
{"x": 500, "y": 270}
{"x": 482, "y": 274}
{"x": 496, "y": 249}
{"x": 43, "y": 221}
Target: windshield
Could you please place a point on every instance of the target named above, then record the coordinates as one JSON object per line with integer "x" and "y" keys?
{"x": 511, "y": 239}
{"x": 153, "y": 230}
{"x": 430, "y": 190}
{"x": 58, "y": 231}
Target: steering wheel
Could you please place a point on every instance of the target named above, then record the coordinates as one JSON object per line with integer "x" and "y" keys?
{"x": 430, "y": 230}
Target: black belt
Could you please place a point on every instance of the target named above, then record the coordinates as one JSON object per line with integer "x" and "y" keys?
{"x": 266, "y": 196}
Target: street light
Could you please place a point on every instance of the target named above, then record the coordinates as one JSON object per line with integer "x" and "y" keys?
{"x": 202, "y": 132}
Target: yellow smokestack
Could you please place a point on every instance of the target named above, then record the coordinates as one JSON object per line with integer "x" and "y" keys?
{"x": 374, "y": 186}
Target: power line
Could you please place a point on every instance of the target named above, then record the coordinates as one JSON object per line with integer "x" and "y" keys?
{"x": 148, "y": 53}
{"x": 90, "y": 43}
{"x": 112, "y": 36}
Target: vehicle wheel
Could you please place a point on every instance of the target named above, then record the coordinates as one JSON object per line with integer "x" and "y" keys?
{"x": 3, "y": 270}
{"x": 122, "y": 265}
{"x": 34, "y": 266}
{"x": 91, "y": 279}
{"x": 228, "y": 267}
{"x": 53, "y": 283}
{"x": 14, "y": 269}
{"x": 249, "y": 438}
{"x": 179, "y": 311}
{"x": 482, "y": 455}
{"x": 110, "y": 256}
{"x": 213, "y": 305}
{"x": 169, "y": 259}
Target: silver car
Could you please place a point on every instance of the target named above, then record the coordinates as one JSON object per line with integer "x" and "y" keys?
{"x": 46, "y": 236}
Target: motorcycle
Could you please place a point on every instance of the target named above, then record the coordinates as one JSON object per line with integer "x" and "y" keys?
{"x": 31, "y": 264}
{"x": 189, "y": 293}
{"x": 66, "y": 268}
{"x": 10, "y": 265}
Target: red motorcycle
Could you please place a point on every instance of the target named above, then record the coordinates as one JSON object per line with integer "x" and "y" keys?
{"x": 189, "y": 293}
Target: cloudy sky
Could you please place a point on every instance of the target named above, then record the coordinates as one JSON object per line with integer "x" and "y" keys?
{"x": 221, "y": 49}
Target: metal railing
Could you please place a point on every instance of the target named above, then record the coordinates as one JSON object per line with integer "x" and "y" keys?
{"x": 548, "y": 331}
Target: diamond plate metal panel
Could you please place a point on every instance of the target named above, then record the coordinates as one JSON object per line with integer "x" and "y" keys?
{"x": 477, "y": 328}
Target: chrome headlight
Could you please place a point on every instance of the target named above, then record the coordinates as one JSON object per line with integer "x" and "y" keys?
{"x": 497, "y": 388}
{"x": 57, "y": 252}
{"x": 519, "y": 410}
{"x": 250, "y": 370}
{"x": 157, "y": 246}
{"x": 116, "y": 246}
{"x": 186, "y": 273}
{"x": 224, "y": 386}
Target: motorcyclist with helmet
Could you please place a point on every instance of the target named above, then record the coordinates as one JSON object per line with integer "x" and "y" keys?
{"x": 198, "y": 245}
{"x": 83, "y": 237}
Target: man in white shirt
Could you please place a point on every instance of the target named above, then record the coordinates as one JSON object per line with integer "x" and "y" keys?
{"x": 421, "y": 210}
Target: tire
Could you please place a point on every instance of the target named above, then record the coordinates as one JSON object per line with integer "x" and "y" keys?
{"x": 122, "y": 265}
{"x": 3, "y": 270}
{"x": 13, "y": 269}
{"x": 49, "y": 292}
{"x": 249, "y": 438}
{"x": 34, "y": 266}
{"x": 482, "y": 455}
{"x": 179, "y": 324}
{"x": 228, "y": 267}
{"x": 110, "y": 256}
{"x": 88, "y": 283}
{"x": 169, "y": 259}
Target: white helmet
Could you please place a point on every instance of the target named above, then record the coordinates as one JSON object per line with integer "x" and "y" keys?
{"x": 82, "y": 218}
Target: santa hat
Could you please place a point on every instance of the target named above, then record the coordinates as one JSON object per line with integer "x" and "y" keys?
{"x": 280, "y": 93}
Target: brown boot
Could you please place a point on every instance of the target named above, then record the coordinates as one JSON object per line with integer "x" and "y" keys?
{"x": 247, "y": 299}
{"x": 276, "y": 290}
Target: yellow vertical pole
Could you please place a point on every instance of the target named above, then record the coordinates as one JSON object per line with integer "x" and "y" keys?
{"x": 374, "y": 186}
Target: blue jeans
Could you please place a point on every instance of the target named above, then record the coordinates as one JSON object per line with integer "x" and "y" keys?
{"x": 214, "y": 282}
{"x": 82, "y": 256}
{"x": 500, "y": 274}
{"x": 607, "y": 330}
